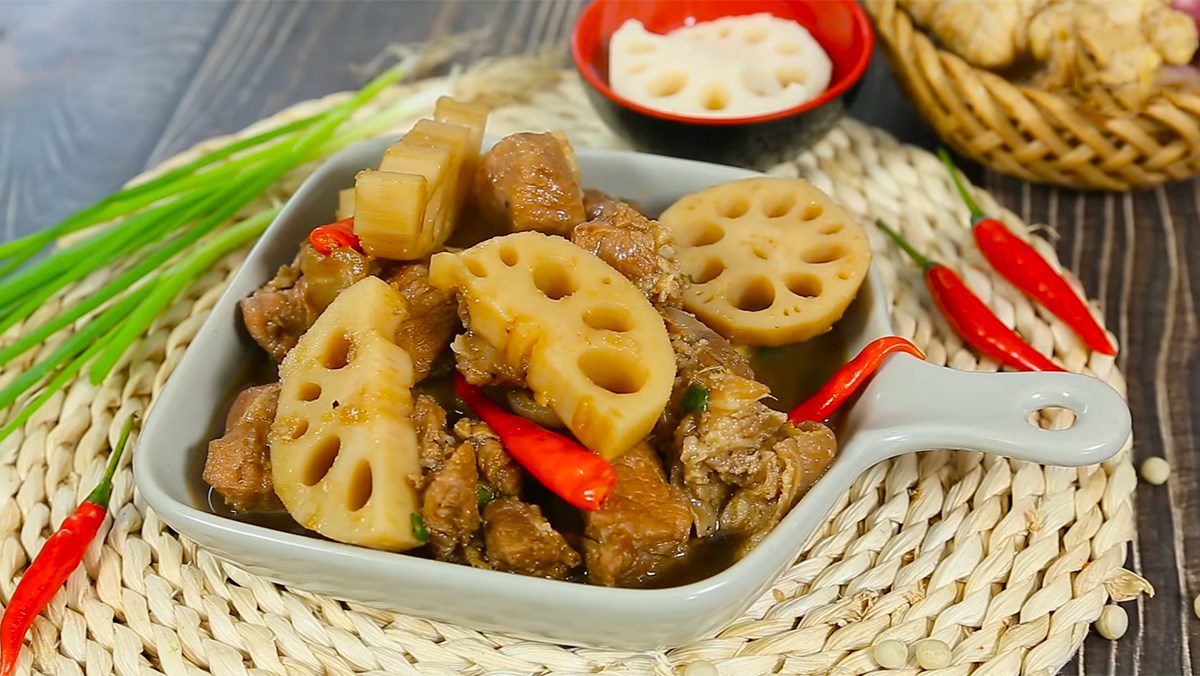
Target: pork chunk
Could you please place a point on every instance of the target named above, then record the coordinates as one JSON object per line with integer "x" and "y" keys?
{"x": 593, "y": 202}
{"x": 520, "y": 540}
{"x": 698, "y": 347}
{"x": 531, "y": 182}
{"x": 450, "y": 509}
{"x": 434, "y": 443}
{"x": 742, "y": 463}
{"x": 324, "y": 277}
{"x": 481, "y": 364}
{"x": 797, "y": 458}
{"x": 277, "y": 314}
{"x": 498, "y": 469}
{"x": 642, "y": 529}
{"x": 637, "y": 247}
{"x": 238, "y": 466}
{"x": 432, "y": 316}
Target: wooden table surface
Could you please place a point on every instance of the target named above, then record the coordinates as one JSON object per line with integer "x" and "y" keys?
{"x": 93, "y": 92}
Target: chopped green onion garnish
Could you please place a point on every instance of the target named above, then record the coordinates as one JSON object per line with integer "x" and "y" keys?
{"x": 695, "y": 400}
{"x": 484, "y": 494}
{"x": 418, "y": 528}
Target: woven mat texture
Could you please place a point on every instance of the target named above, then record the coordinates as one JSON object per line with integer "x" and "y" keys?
{"x": 1006, "y": 561}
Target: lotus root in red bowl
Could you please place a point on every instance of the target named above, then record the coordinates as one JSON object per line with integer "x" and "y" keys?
{"x": 840, "y": 27}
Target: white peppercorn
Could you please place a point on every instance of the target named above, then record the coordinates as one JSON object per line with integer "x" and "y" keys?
{"x": 890, "y": 654}
{"x": 1112, "y": 622}
{"x": 1156, "y": 471}
{"x": 932, "y": 653}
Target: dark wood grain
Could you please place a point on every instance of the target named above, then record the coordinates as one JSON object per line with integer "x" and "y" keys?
{"x": 92, "y": 92}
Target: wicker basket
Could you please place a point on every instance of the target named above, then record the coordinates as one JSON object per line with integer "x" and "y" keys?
{"x": 1037, "y": 135}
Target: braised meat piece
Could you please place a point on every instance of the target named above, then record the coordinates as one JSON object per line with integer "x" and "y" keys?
{"x": 277, "y": 314}
{"x": 637, "y": 247}
{"x": 324, "y": 277}
{"x": 531, "y": 182}
{"x": 742, "y": 464}
{"x": 434, "y": 443}
{"x": 520, "y": 540}
{"x": 593, "y": 201}
{"x": 500, "y": 472}
{"x": 698, "y": 347}
{"x": 449, "y": 483}
{"x": 432, "y": 317}
{"x": 450, "y": 509}
{"x": 239, "y": 463}
{"x": 642, "y": 529}
{"x": 798, "y": 456}
{"x": 481, "y": 364}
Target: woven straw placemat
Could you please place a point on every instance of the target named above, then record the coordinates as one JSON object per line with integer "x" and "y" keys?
{"x": 1008, "y": 562}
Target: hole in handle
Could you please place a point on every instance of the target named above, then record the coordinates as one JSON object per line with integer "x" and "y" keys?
{"x": 1053, "y": 418}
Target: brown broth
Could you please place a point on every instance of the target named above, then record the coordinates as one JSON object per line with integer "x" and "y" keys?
{"x": 795, "y": 372}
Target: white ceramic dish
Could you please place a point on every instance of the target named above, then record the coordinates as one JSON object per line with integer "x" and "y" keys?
{"x": 909, "y": 406}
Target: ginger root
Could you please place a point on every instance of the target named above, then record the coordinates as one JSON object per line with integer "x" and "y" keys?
{"x": 1106, "y": 52}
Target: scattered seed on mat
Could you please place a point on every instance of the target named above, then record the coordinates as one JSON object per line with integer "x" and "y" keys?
{"x": 932, "y": 653}
{"x": 890, "y": 654}
{"x": 1112, "y": 622}
{"x": 1156, "y": 471}
{"x": 700, "y": 668}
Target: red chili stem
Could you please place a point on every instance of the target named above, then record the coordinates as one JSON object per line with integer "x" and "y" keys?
{"x": 58, "y": 558}
{"x": 563, "y": 465}
{"x": 1017, "y": 261}
{"x": 327, "y": 238}
{"x": 977, "y": 213}
{"x": 971, "y": 318}
{"x": 851, "y": 378}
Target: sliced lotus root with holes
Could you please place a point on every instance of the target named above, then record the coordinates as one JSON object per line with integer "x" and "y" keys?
{"x": 343, "y": 444}
{"x": 596, "y": 351}
{"x": 772, "y": 260}
{"x": 743, "y": 65}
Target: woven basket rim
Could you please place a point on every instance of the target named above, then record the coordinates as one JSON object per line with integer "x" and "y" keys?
{"x": 1062, "y": 139}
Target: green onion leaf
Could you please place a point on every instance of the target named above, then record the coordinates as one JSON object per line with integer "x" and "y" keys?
{"x": 164, "y": 184}
{"x": 418, "y": 528}
{"x": 172, "y": 283}
{"x": 56, "y": 384}
{"x": 157, "y": 234}
{"x": 695, "y": 400}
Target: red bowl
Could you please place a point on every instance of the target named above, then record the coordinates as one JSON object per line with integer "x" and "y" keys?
{"x": 839, "y": 26}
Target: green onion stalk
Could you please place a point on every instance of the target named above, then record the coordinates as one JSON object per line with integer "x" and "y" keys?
{"x": 163, "y": 233}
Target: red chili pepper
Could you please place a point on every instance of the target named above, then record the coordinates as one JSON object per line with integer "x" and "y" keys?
{"x": 1017, "y": 261}
{"x": 336, "y": 235}
{"x": 850, "y": 378}
{"x": 561, "y": 464}
{"x": 60, "y": 555}
{"x": 971, "y": 317}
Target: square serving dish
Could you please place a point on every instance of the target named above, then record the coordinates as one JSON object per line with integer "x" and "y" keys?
{"x": 909, "y": 406}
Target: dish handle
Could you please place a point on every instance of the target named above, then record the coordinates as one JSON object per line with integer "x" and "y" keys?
{"x": 912, "y": 405}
